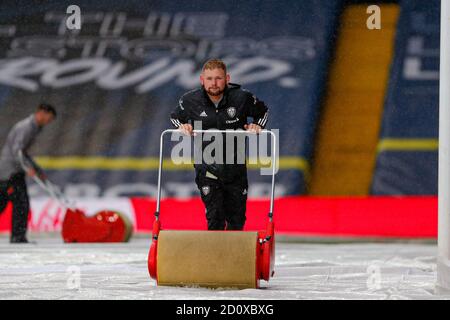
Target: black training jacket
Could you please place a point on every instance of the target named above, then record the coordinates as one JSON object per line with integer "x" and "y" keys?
{"x": 233, "y": 111}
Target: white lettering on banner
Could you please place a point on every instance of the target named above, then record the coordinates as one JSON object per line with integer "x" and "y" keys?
{"x": 416, "y": 46}
{"x": 18, "y": 72}
{"x": 171, "y": 189}
{"x": 182, "y": 71}
{"x": 112, "y": 79}
{"x": 82, "y": 190}
{"x": 161, "y": 48}
{"x": 133, "y": 188}
{"x": 414, "y": 64}
{"x": 13, "y": 72}
{"x": 80, "y": 71}
{"x": 243, "y": 69}
{"x": 413, "y": 70}
{"x": 161, "y": 24}
{"x": 180, "y": 34}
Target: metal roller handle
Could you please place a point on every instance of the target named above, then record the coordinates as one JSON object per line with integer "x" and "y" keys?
{"x": 272, "y": 194}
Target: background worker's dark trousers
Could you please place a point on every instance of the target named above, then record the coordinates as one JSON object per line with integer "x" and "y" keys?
{"x": 15, "y": 190}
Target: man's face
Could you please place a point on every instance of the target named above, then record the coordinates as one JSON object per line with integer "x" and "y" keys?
{"x": 214, "y": 81}
{"x": 44, "y": 118}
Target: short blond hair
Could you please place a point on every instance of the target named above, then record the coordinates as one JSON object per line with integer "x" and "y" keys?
{"x": 214, "y": 64}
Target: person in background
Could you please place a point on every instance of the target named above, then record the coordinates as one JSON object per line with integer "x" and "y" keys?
{"x": 15, "y": 164}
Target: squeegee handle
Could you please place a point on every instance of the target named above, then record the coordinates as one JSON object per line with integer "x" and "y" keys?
{"x": 274, "y": 159}
{"x": 45, "y": 184}
{"x": 54, "y": 193}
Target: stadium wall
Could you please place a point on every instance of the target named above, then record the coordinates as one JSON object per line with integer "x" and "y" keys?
{"x": 336, "y": 217}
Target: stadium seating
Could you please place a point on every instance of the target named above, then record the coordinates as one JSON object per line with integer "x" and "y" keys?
{"x": 107, "y": 134}
{"x": 347, "y": 138}
{"x": 407, "y": 159}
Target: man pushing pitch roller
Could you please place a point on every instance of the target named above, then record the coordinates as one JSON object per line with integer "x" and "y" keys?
{"x": 238, "y": 259}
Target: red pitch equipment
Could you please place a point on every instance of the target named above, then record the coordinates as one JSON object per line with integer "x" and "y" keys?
{"x": 104, "y": 226}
